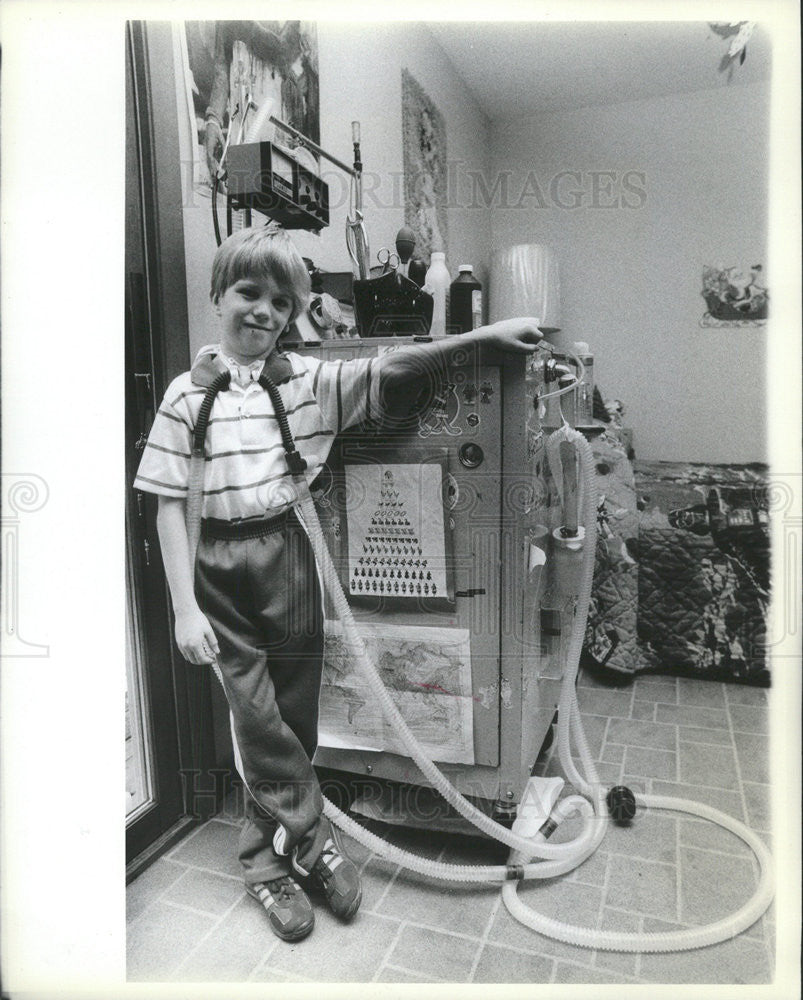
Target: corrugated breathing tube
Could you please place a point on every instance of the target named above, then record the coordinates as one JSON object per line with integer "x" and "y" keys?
{"x": 558, "y": 858}
{"x": 195, "y": 494}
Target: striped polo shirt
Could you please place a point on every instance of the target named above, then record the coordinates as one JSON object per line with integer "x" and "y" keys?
{"x": 246, "y": 472}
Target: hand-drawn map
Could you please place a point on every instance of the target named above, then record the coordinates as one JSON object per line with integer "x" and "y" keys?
{"x": 428, "y": 673}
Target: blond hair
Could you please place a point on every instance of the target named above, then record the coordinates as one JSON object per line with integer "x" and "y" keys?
{"x": 265, "y": 251}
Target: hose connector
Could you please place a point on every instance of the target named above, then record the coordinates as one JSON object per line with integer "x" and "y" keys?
{"x": 571, "y": 539}
{"x": 621, "y": 804}
{"x": 295, "y": 463}
{"x": 556, "y": 372}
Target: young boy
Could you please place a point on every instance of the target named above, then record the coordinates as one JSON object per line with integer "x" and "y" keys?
{"x": 253, "y": 603}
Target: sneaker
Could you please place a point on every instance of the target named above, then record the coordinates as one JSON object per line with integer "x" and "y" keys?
{"x": 289, "y": 910}
{"x": 337, "y": 876}
{"x": 280, "y": 842}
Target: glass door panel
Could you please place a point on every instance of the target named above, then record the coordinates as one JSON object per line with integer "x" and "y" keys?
{"x": 138, "y": 740}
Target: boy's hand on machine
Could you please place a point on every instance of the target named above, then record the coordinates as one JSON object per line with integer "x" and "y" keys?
{"x": 195, "y": 638}
{"x": 519, "y": 334}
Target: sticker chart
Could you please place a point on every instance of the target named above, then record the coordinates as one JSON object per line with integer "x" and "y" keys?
{"x": 396, "y": 534}
{"x": 428, "y": 673}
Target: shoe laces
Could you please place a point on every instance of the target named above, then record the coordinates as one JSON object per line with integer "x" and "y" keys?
{"x": 283, "y": 889}
{"x": 329, "y": 859}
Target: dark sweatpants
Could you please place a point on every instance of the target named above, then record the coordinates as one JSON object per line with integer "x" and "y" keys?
{"x": 262, "y": 598}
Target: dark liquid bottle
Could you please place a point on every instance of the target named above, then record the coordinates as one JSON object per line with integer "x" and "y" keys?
{"x": 465, "y": 302}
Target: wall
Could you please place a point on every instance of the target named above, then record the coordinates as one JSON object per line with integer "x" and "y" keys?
{"x": 360, "y": 79}
{"x": 631, "y": 276}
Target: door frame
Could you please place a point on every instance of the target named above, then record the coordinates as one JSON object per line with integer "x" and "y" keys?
{"x": 157, "y": 349}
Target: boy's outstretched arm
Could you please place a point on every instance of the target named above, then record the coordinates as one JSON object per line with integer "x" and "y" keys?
{"x": 193, "y": 631}
{"x": 411, "y": 362}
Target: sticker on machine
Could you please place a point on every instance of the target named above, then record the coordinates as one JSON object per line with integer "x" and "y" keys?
{"x": 427, "y": 672}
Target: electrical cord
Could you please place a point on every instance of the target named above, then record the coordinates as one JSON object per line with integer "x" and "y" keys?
{"x": 215, "y": 219}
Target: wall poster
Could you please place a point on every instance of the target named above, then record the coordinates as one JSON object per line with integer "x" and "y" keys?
{"x": 425, "y": 173}
{"x": 232, "y": 68}
{"x": 734, "y": 296}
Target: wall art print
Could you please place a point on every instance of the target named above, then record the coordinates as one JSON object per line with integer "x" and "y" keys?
{"x": 231, "y": 64}
{"x": 734, "y": 297}
{"x": 424, "y": 145}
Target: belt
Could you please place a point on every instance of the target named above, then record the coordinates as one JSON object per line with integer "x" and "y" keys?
{"x": 212, "y": 527}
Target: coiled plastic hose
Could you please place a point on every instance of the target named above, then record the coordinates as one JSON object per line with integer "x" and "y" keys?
{"x": 561, "y": 857}
{"x": 568, "y": 713}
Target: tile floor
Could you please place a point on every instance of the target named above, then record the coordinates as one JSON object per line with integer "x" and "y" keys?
{"x": 189, "y": 919}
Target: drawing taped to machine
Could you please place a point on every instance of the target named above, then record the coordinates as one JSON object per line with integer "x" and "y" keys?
{"x": 427, "y": 671}
{"x": 397, "y": 535}
{"x": 392, "y": 562}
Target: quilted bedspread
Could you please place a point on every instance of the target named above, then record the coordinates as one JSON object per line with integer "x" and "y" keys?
{"x": 611, "y": 633}
{"x": 702, "y": 598}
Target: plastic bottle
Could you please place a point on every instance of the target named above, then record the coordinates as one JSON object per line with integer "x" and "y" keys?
{"x": 437, "y": 283}
{"x": 465, "y": 301}
{"x": 584, "y": 393}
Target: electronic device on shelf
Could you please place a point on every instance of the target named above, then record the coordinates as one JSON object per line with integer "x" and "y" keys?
{"x": 265, "y": 177}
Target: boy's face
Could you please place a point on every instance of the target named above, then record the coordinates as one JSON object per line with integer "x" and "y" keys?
{"x": 253, "y": 312}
